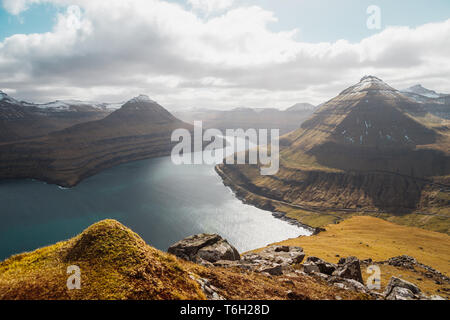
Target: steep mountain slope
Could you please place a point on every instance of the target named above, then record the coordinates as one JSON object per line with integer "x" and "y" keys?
{"x": 22, "y": 120}
{"x": 140, "y": 129}
{"x": 366, "y": 149}
{"x": 247, "y": 118}
{"x": 115, "y": 263}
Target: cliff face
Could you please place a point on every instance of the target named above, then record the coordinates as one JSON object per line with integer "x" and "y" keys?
{"x": 140, "y": 129}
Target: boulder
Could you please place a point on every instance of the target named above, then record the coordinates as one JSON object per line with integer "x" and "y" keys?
{"x": 398, "y": 293}
{"x": 399, "y": 289}
{"x": 204, "y": 247}
{"x": 282, "y": 255}
{"x": 274, "y": 270}
{"x": 348, "y": 284}
{"x": 310, "y": 267}
{"x": 349, "y": 268}
{"x": 323, "y": 266}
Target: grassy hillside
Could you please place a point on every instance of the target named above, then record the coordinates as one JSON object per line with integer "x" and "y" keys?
{"x": 116, "y": 263}
{"x": 369, "y": 237}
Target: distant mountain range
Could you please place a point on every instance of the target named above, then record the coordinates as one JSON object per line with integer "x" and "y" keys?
{"x": 369, "y": 148}
{"x": 246, "y": 118}
{"x": 23, "y": 120}
{"x": 140, "y": 129}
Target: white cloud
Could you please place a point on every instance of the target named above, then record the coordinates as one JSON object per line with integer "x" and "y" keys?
{"x": 111, "y": 50}
{"x": 210, "y": 6}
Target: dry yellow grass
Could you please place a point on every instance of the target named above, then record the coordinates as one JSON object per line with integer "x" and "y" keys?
{"x": 117, "y": 264}
{"x": 369, "y": 237}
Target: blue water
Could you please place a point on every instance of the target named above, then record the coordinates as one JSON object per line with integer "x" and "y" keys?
{"x": 160, "y": 201}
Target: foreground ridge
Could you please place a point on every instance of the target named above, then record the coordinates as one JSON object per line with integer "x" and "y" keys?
{"x": 115, "y": 263}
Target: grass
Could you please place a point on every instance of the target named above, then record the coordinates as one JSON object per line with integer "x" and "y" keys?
{"x": 116, "y": 263}
{"x": 368, "y": 237}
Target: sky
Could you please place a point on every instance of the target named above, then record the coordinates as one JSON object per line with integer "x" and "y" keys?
{"x": 219, "y": 54}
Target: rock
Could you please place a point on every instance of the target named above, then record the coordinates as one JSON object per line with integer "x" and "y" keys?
{"x": 220, "y": 250}
{"x": 283, "y": 255}
{"x": 295, "y": 296}
{"x": 282, "y": 249}
{"x": 274, "y": 270}
{"x": 273, "y": 260}
{"x": 403, "y": 261}
{"x": 209, "y": 290}
{"x": 207, "y": 247}
{"x": 399, "y": 289}
{"x": 398, "y": 293}
{"x": 349, "y": 268}
{"x": 324, "y": 267}
{"x": 367, "y": 261}
{"x": 348, "y": 284}
{"x": 310, "y": 267}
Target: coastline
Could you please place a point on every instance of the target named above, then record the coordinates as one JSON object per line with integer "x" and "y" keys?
{"x": 239, "y": 193}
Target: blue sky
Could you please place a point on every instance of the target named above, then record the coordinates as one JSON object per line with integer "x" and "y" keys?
{"x": 318, "y": 20}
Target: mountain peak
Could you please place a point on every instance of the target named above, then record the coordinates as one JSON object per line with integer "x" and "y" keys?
{"x": 141, "y": 98}
{"x": 369, "y": 84}
{"x": 370, "y": 78}
{"x": 420, "y": 90}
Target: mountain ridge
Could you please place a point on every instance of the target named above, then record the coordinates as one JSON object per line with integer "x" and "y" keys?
{"x": 138, "y": 130}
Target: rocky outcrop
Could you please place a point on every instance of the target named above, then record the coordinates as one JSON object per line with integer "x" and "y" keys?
{"x": 411, "y": 263}
{"x": 204, "y": 249}
{"x": 314, "y": 264}
{"x": 273, "y": 260}
{"x": 213, "y": 250}
{"x": 399, "y": 289}
{"x": 349, "y": 268}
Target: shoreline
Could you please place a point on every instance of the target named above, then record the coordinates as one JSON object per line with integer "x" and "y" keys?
{"x": 276, "y": 214}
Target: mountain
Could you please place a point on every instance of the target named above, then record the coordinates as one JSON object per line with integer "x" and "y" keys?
{"x": 73, "y": 106}
{"x": 419, "y": 90}
{"x": 436, "y": 103}
{"x": 299, "y": 107}
{"x": 368, "y": 149}
{"x": 21, "y": 120}
{"x": 140, "y": 129}
{"x": 247, "y": 118}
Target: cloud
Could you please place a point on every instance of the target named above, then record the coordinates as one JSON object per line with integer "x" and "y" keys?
{"x": 112, "y": 50}
{"x": 210, "y": 6}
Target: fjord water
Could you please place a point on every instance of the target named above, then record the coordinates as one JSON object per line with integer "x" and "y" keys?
{"x": 160, "y": 201}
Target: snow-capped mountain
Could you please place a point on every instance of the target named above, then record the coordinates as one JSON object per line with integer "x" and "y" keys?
{"x": 424, "y": 95}
{"x": 73, "y": 105}
{"x": 4, "y": 98}
{"x": 418, "y": 89}
{"x": 60, "y": 105}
